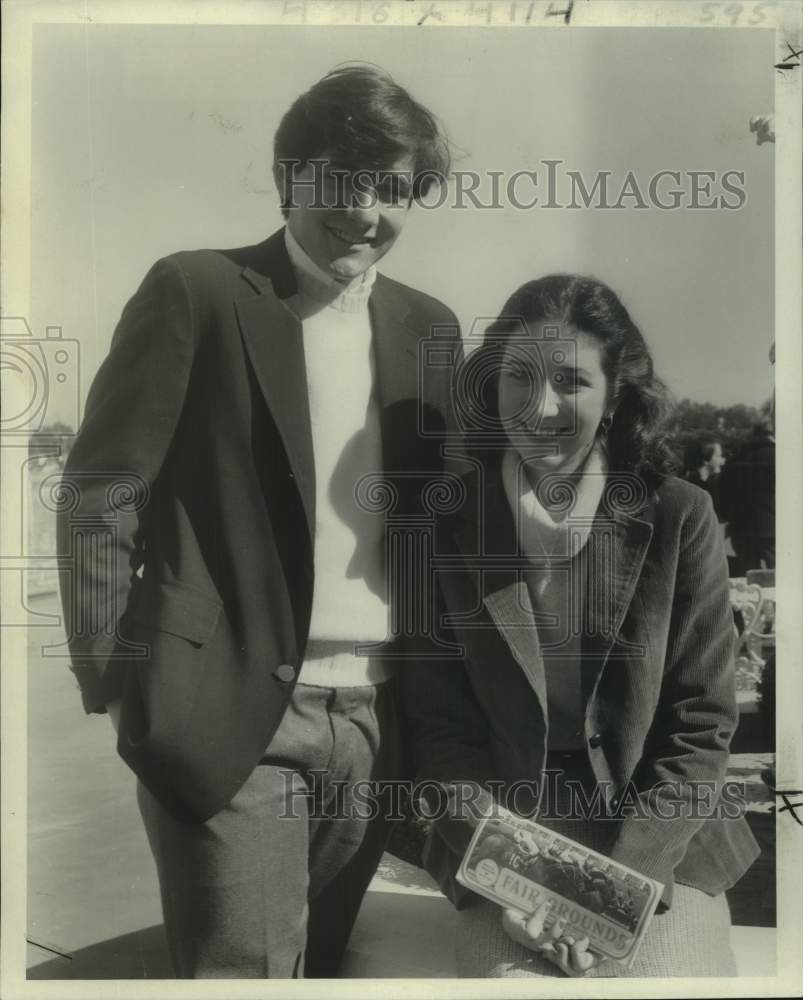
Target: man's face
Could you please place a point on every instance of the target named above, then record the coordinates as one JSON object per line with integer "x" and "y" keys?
{"x": 347, "y": 221}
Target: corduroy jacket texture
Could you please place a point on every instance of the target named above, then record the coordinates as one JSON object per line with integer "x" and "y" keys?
{"x": 657, "y": 670}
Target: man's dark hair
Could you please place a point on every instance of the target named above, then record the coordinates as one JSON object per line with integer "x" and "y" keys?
{"x": 698, "y": 452}
{"x": 361, "y": 119}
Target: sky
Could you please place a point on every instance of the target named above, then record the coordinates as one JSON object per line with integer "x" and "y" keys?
{"x": 152, "y": 139}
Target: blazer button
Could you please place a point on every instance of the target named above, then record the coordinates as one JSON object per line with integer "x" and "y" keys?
{"x": 595, "y": 742}
{"x": 285, "y": 672}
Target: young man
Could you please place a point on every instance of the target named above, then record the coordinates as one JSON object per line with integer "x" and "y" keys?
{"x": 228, "y": 560}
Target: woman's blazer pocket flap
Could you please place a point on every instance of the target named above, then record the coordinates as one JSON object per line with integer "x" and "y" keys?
{"x": 180, "y": 609}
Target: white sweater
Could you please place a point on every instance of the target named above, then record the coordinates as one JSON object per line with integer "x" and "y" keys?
{"x": 350, "y": 601}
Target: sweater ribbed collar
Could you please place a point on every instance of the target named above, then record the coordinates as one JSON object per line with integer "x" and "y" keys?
{"x": 540, "y": 536}
{"x": 318, "y": 290}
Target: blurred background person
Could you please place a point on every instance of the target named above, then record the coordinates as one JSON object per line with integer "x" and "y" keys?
{"x": 703, "y": 462}
{"x": 747, "y": 499}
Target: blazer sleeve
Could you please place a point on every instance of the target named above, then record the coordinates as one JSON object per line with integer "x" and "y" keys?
{"x": 448, "y": 736}
{"x": 688, "y": 741}
{"x": 131, "y": 414}
{"x": 448, "y": 731}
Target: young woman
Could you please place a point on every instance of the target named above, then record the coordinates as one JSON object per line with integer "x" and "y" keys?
{"x": 586, "y": 594}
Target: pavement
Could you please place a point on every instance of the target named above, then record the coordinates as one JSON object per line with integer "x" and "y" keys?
{"x": 93, "y": 902}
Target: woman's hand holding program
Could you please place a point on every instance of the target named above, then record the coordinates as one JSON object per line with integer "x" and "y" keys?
{"x": 571, "y": 955}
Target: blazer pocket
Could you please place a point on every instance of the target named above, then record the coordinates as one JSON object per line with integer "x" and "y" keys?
{"x": 177, "y": 622}
{"x": 181, "y": 610}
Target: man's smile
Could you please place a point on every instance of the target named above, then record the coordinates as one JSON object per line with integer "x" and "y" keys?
{"x": 350, "y": 239}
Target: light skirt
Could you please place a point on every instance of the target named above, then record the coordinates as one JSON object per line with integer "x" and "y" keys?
{"x": 692, "y": 938}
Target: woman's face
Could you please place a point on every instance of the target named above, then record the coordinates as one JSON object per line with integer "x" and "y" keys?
{"x": 553, "y": 395}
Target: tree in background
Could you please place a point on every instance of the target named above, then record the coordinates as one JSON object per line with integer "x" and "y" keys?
{"x": 730, "y": 425}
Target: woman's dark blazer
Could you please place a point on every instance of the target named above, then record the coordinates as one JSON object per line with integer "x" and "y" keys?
{"x": 657, "y": 666}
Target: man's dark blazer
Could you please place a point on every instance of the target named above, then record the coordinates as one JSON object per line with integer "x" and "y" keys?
{"x": 190, "y": 508}
{"x": 658, "y": 678}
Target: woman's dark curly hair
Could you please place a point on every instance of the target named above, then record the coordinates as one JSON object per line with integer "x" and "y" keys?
{"x": 636, "y": 441}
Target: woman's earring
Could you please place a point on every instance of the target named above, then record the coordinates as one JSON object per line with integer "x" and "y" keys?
{"x": 605, "y": 423}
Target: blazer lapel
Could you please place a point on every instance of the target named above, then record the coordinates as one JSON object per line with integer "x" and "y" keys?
{"x": 511, "y": 610}
{"x": 273, "y": 339}
{"x": 613, "y": 559}
{"x": 396, "y": 358}
{"x": 494, "y": 553}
